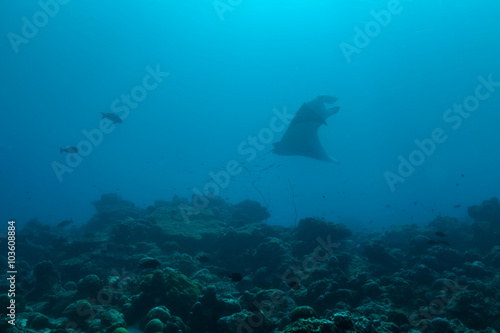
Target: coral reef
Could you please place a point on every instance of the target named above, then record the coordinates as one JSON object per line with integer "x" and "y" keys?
{"x": 249, "y": 211}
{"x": 488, "y": 211}
{"x": 223, "y": 270}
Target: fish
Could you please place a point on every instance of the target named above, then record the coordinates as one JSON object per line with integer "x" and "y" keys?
{"x": 301, "y": 136}
{"x": 440, "y": 234}
{"x": 149, "y": 262}
{"x": 235, "y": 277}
{"x": 112, "y": 116}
{"x": 69, "y": 150}
{"x": 64, "y": 223}
{"x": 457, "y": 206}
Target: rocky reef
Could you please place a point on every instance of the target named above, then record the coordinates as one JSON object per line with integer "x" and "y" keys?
{"x": 174, "y": 268}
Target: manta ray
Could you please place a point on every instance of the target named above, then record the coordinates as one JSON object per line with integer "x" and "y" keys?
{"x": 301, "y": 137}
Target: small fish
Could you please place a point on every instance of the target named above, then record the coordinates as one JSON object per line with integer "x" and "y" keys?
{"x": 69, "y": 150}
{"x": 457, "y": 206}
{"x": 235, "y": 277}
{"x": 64, "y": 223}
{"x": 112, "y": 116}
{"x": 149, "y": 262}
{"x": 439, "y": 234}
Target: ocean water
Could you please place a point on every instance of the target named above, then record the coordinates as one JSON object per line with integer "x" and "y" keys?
{"x": 197, "y": 83}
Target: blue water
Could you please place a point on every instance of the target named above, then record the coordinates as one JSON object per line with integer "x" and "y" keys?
{"x": 229, "y": 65}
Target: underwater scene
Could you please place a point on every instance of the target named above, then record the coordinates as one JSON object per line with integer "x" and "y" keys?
{"x": 250, "y": 166}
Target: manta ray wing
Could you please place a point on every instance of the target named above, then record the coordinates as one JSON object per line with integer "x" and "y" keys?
{"x": 301, "y": 137}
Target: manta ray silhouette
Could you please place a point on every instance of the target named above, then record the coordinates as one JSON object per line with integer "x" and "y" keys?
{"x": 301, "y": 137}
